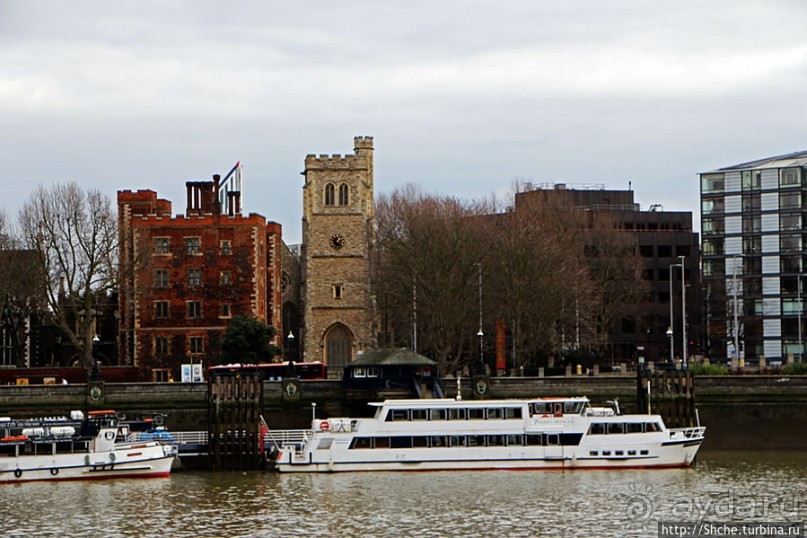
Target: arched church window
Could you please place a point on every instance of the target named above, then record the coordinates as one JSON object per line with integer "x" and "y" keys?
{"x": 329, "y": 194}
{"x": 343, "y": 194}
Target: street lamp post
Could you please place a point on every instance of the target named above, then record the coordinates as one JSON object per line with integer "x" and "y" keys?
{"x": 683, "y": 313}
{"x": 801, "y": 343}
{"x": 672, "y": 343}
{"x": 670, "y": 331}
{"x": 480, "y": 334}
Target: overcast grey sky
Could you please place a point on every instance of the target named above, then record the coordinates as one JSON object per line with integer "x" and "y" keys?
{"x": 462, "y": 97}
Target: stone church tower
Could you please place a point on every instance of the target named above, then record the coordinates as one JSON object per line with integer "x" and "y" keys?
{"x": 338, "y": 238}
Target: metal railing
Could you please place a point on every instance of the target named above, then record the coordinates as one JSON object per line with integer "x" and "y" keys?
{"x": 278, "y": 437}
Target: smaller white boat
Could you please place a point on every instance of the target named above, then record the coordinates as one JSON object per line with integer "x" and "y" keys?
{"x": 77, "y": 448}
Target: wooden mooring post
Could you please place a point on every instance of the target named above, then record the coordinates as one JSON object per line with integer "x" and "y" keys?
{"x": 234, "y": 404}
{"x": 670, "y": 394}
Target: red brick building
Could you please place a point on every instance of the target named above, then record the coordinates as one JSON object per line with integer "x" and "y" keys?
{"x": 192, "y": 273}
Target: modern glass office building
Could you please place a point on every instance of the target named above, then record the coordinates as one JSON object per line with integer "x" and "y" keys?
{"x": 752, "y": 224}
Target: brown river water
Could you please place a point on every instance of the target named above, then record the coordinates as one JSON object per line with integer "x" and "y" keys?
{"x": 724, "y": 486}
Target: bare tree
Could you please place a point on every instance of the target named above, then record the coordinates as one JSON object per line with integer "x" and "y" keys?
{"x": 426, "y": 273}
{"x": 75, "y": 236}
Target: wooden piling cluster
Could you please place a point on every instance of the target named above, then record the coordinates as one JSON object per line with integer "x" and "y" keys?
{"x": 671, "y": 394}
{"x": 234, "y": 404}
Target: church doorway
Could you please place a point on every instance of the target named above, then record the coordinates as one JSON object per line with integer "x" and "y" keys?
{"x": 338, "y": 347}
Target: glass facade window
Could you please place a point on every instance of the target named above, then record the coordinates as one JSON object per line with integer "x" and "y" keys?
{"x": 790, "y": 243}
{"x": 712, "y": 247}
{"x": 790, "y": 222}
{"x": 791, "y": 306}
{"x": 752, "y": 223}
{"x": 712, "y": 268}
{"x": 752, "y": 245}
{"x": 752, "y": 202}
{"x": 714, "y": 205}
{"x": 713, "y": 226}
{"x": 752, "y": 265}
{"x": 789, "y": 177}
{"x": 712, "y": 183}
{"x": 752, "y": 179}
{"x": 790, "y": 200}
{"x": 791, "y": 264}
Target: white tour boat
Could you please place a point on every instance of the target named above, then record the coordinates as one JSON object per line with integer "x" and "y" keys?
{"x": 446, "y": 434}
{"x": 76, "y": 448}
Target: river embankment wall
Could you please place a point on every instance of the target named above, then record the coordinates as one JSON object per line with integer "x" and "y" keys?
{"x": 741, "y": 412}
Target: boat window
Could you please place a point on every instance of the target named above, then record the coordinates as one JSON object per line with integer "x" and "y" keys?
{"x": 512, "y": 412}
{"x": 495, "y": 413}
{"x": 593, "y": 453}
{"x": 644, "y": 452}
{"x": 606, "y": 452}
{"x": 458, "y": 440}
{"x": 597, "y": 428}
{"x": 401, "y": 442}
{"x": 570, "y": 438}
{"x": 456, "y": 413}
{"x": 619, "y": 453}
{"x": 541, "y": 408}
{"x": 372, "y": 372}
{"x": 558, "y": 409}
{"x": 438, "y": 414}
{"x": 420, "y": 442}
{"x": 652, "y": 427}
{"x": 361, "y": 442}
{"x": 631, "y": 452}
{"x": 572, "y": 408}
{"x": 514, "y": 440}
{"x": 325, "y": 444}
{"x": 398, "y": 415}
{"x": 634, "y": 427}
{"x": 381, "y": 442}
{"x": 420, "y": 414}
{"x": 476, "y": 413}
{"x": 552, "y": 439}
{"x": 438, "y": 441}
{"x": 359, "y": 372}
{"x": 616, "y": 427}
{"x": 476, "y": 440}
{"x": 534, "y": 440}
{"x": 495, "y": 440}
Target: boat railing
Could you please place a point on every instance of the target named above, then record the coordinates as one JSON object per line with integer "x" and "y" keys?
{"x": 695, "y": 432}
{"x": 286, "y": 437}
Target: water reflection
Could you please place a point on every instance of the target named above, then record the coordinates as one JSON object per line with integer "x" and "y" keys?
{"x": 724, "y": 487}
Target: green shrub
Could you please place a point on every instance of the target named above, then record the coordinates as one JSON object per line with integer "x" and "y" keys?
{"x": 708, "y": 369}
{"x": 796, "y": 368}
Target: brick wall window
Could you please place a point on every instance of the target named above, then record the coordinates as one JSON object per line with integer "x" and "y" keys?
{"x": 225, "y": 278}
{"x": 162, "y": 309}
{"x": 343, "y": 194}
{"x": 196, "y": 344}
{"x": 193, "y": 246}
{"x": 225, "y": 311}
{"x": 194, "y": 277}
{"x": 162, "y": 245}
{"x": 161, "y": 345}
{"x": 338, "y": 291}
{"x": 226, "y": 247}
{"x": 194, "y": 309}
{"x": 329, "y": 194}
{"x": 161, "y": 278}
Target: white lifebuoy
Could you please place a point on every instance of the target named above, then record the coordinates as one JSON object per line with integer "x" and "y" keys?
{"x": 110, "y": 435}
{"x": 324, "y": 426}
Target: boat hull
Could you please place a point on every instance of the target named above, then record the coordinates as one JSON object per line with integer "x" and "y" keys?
{"x": 152, "y": 461}
{"x": 664, "y": 458}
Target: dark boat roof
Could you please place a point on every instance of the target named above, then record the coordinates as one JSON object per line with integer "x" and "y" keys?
{"x": 392, "y": 357}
